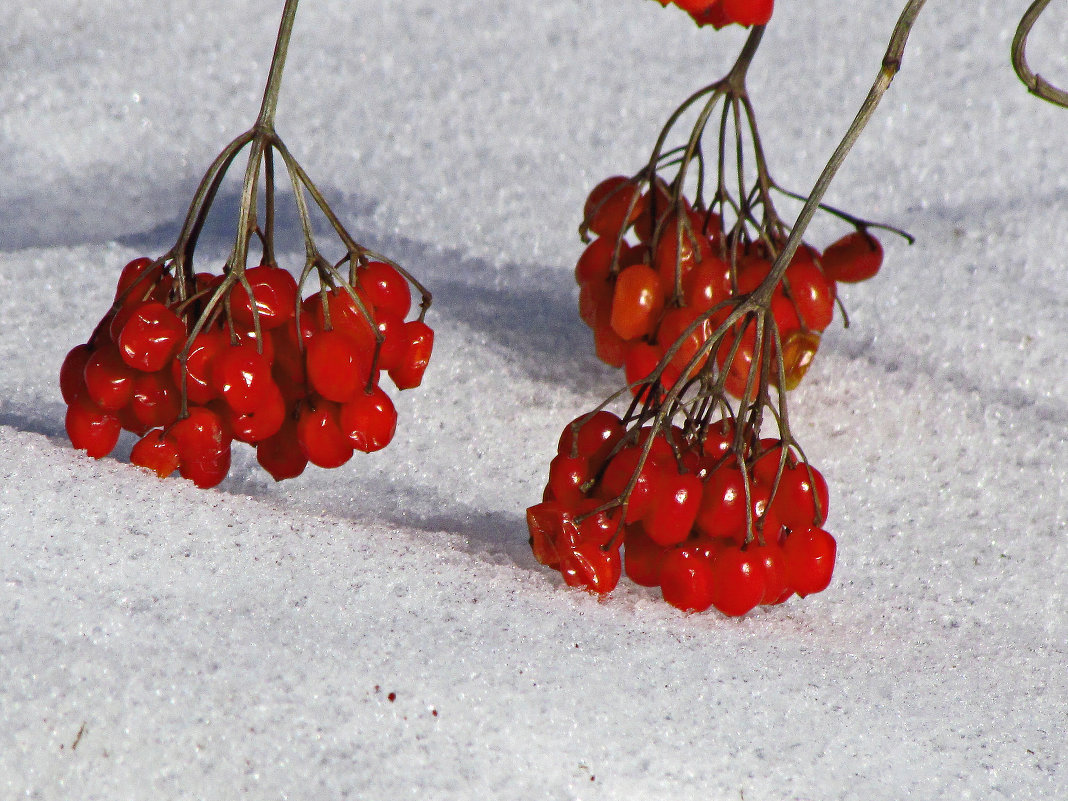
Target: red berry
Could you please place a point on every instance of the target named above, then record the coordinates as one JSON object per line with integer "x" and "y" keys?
{"x": 591, "y": 567}
{"x": 203, "y": 447}
{"x": 637, "y": 302}
{"x": 639, "y": 362}
{"x": 206, "y": 346}
{"x": 274, "y": 291}
{"x": 199, "y": 436}
{"x": 386, "y": 288}
{"x": 593, "y": 436}
{"x": 338, "y": 369}
{"x": 347, "y": 317}
{"x": 72, "y": 372}
{"x": 722, "y": 510}
{"x": 738, "y": 581}
{"x": 156, "y": 452}
{"x": 155, "y": 401}
{"x": 686, "y": 578}
{"x": 595, "y": 264}
{"x": 810, "y": 555}
{"x": 678, "y": 250}
{"x": 674, "y": 507}
{"x": 545, "y": 522}
{"x": 642, "y": 557}
{"x": 796, "y": 499}
{"x": 261, "y": 421}
{"x": 207, "y": 471}
{"x": 812, "y": 293}
{"x": 242, "y": 377}
{"x": 612, "y": 206}
{"x": 675, "y": 330}
{"x": 108, "y": 379}
{"x": 617, "y": 476}
{"x": 776, "y": 572}
{"x": 90, "y": 428}
{"x": 707, "y": 284}
{"x": 136, "y": 280}
{"x": 369, "y": 420}
{"x": 151, "y": 337}
{"x": 418, "y": 339}
{"x": 391, "y": 327}
{"x": 320, "y": 435}
{"x": 855, "y": 257}
{"x": 567, "y": 474}
{"x": 280, "y": 454}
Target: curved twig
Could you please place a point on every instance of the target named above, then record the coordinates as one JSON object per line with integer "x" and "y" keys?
{"x": 1035, "y": 83}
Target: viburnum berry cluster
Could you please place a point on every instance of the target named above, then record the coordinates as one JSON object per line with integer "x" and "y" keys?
{"x": 720, "y": 13}
{"x": 695, "y": 283}
{"x": 675, "y": 283}
{"x": 191, "y": 361}
{"x": 707, "y": 511}
{"x": 664, "y": 271}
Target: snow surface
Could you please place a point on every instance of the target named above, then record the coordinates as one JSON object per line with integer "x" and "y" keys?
{"x": 162, "y": 642}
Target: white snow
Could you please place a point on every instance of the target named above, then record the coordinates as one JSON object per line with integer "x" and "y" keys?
{"x": 163, "y": 642}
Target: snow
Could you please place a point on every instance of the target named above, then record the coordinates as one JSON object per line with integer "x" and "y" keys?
{"x": 159, "y": 641}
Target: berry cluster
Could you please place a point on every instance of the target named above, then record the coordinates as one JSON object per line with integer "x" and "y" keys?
{"x": 671, "y": 288}
{"x": 712, "y": 515}
{"x": 696, "y": 285}
{"x": 191, "y": 361}
{"x": 243, "y": 359}
{"x": 719, "y": 13}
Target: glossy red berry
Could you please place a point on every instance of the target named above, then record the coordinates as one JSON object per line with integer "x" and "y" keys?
{"x": 418, "y": 340}
{"x": 637, "y": 302}
{"x": 567, "y": 474}
{"x": 242, "y": 377}
{"x": 591, "y": 567}
{"x": 593, "y": 436}
{"x": 812, "y": 293}
{"x": 274, "y": 291}
{"x": 686, "y": 578}
{"x": 776, "y": 572}
{"x": 855, "y": 257}
{"x": 136, "y": 280}
{"x": 674, "y": 507}
{"x": 151, "y": 337}
{"x": 802, "y": 498}
{"x": 156, "y": 453}
{"x": 155, "y": 401}
{"x": 386, "y": 288}
{"x": 738, "y": 581}
{"x": 618, "y": 475}
{"x": 369, "y": 420}
{"x": 108, "y": 379}
{"x": 261, "y": 421}
{"x": 338, "y": 369}
{"x": 198, "y": 385}
{"x": 320, "y": 435}
{"x": 810, "y": 555}
{"x": 90, "y": 428}
{"x": 612, "y": 206}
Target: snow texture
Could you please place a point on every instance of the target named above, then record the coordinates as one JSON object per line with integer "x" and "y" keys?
{"x": 381, "y": 631}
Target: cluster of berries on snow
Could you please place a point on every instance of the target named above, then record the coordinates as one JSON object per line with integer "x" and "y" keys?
{"x": 719, "y": 13}
{"x": 714, "y": 516}
{"x": 671, "y": 286}
{"x": 192, "y": 364}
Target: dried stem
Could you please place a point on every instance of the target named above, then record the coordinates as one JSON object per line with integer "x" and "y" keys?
{"x": 1036, "y": 84}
